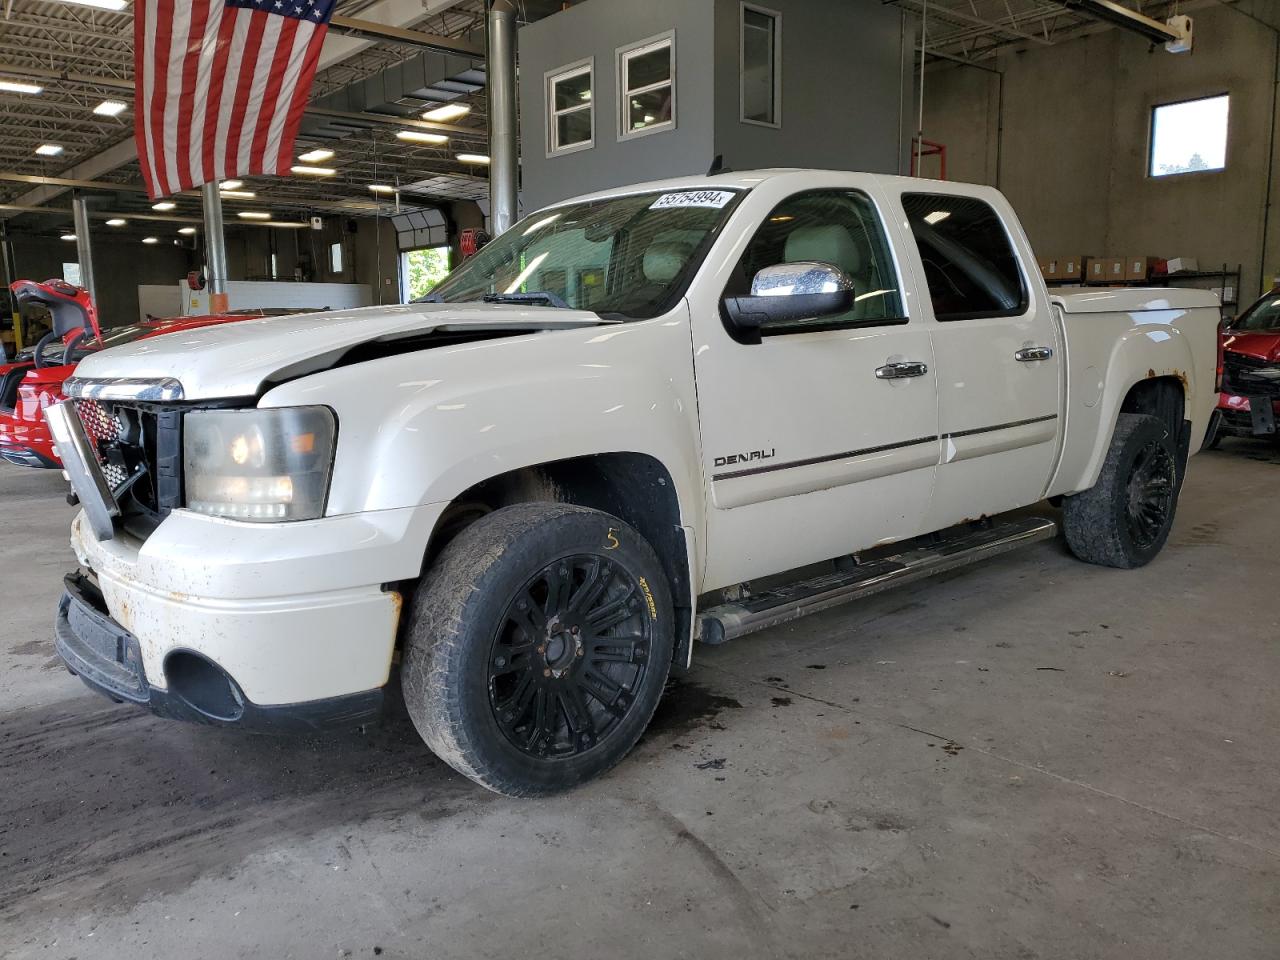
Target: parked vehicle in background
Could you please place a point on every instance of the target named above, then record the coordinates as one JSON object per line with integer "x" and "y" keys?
{"x": 539, "y": 487}
{"x": 34, "y": 380}
{"x": 1249, "y": 401}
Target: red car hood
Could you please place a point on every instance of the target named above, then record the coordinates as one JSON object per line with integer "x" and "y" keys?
{"x": 1263, "y": 345}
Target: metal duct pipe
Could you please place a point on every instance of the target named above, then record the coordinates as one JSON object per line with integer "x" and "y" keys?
{"x": 215, "y": 246}
{"x": 80, "y": 217}
{"x": 501, "y": 86}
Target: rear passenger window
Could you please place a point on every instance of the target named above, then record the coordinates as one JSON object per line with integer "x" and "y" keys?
{"x": 969, "y": 262}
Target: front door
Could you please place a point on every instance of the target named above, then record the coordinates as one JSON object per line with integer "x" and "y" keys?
{"x": 998, "y": 350}
{"x": 822, "y": 439}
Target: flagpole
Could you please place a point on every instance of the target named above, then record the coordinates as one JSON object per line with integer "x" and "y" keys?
{"x": 215, "y": 247}
{"x": 501, "y": 81}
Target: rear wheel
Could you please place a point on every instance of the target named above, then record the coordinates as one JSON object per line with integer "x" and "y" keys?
{"x": 1124, "y": 519}
{"x": 538, "y": 648}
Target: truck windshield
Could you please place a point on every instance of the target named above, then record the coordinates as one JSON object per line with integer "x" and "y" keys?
{"x": 630, "y": 257}
{"x": 1263, "y": 315}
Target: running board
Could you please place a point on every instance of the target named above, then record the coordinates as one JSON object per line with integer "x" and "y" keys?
{"x": 790, "y": 601}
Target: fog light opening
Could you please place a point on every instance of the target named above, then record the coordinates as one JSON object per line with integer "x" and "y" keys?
{"x": 203, "y": 686}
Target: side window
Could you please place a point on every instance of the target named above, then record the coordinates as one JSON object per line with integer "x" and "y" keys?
{"x": 761, "y": 45}
{"x": 837, "y": 227}
{"x": 647, "y": 87}
{"x": 570, "y": 108}
{"x": 969, "y": 262}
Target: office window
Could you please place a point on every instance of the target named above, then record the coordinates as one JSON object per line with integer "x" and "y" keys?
{"x": 761, "y": 53}
{"x": 969, "y": 262}
{"x": 71, "y": 273}
{"x": 571, "y": 111}
{"x": 646, "y": 80}
{"x": 335, "y": 258}
{"x": 1189, "y": 137}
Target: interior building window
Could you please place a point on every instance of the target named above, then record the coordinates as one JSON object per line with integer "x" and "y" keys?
{"x": 646, "y": 79}
{"x": 335, "y": 258}
{"x": 761, "y": 98}
{"x": 71, "y": 273}
{"x": 1189, "y": 137}
{"x": 570, "y": 108}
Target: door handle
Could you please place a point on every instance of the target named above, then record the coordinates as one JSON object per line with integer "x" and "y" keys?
{"x": 1033, "y": 353}
{"x": 900, "y": 369}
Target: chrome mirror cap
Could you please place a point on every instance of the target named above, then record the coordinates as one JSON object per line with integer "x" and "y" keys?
{"x": 800, "y": 278}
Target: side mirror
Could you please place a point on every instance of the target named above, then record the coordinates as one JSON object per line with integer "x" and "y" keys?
{"x": 788, "y": 293}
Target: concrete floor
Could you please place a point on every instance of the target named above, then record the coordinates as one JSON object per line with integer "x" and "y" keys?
{"x": 1032, "y": 758}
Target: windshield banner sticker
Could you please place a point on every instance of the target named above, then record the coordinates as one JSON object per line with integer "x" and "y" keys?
{"x": 715, "y": 199}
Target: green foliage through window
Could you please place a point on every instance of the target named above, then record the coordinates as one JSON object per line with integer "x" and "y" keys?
{"x": 424, "y": 269}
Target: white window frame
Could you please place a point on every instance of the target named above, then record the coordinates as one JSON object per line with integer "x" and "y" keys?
{"x": 623, "y": 56}
{"x": 742, "y": 64}
{"x": 1151, "y": 137}
{"x": 549, "y": 81}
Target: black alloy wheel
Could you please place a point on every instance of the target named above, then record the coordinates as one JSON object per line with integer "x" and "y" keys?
{"x": 1152, "y": 484}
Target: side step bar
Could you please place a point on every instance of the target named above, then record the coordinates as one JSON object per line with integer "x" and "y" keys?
{"x": 790, "y": 601}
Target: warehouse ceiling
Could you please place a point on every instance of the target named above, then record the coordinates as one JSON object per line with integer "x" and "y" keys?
{"x": 92, "y": 51}
{"x": 975, "y": 31}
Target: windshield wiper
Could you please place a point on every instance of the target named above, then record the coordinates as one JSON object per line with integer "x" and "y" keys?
{"x": 535, "y": 296}
{"x": 428, "y": 298}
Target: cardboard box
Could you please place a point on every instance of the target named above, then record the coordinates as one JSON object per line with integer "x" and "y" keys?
{"x": 1049, "y": 268}
{"x": 1141, "y": 268}
{"x": 1183, "y": 265}
{"x": 1095, "y": 270}
{"x": 1071, "y": 267}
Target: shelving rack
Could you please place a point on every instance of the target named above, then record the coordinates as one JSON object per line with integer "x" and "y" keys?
{"x": 1224, "y": 279}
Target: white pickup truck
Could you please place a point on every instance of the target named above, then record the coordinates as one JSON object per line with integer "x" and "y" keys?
{"x": 673, "y": 411}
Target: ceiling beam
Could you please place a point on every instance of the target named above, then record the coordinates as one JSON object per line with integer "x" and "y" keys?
{"x": 401, "y": 35}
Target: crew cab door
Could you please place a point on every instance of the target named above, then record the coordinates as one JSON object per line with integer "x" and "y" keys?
{"x": 809, "y": 453}
{"x": 997, "y": 349}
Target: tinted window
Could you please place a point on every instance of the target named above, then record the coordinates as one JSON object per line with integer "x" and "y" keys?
{"x": 1263, "y": 315}
{"x": 968, "y": 261}
{"x": 838, "y": 227}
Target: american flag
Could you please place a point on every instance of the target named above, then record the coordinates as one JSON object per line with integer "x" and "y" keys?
{"x": 221, "y": 86}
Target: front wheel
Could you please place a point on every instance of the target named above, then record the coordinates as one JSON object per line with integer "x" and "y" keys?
{"x": 1125, "y": 518}
{"x": 538, "y": 647}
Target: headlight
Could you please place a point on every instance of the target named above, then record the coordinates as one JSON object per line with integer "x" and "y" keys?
{"x": 264, "y": 465}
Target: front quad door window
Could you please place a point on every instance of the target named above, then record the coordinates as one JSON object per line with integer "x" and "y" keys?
{"x": 808, "y": 453}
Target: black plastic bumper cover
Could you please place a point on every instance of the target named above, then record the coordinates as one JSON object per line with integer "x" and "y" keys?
{"x": 109, "y": 660}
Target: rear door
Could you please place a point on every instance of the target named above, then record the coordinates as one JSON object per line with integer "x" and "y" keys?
{"x": 808, "y": 452}
{"x": 997, "y": 351}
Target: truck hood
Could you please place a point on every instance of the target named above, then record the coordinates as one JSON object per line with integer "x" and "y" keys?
{"x": 1263, "y": 345}
{"x": 242, "y": 359}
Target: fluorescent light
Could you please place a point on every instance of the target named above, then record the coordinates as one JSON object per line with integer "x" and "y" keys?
{"x": 164, "y": 206}
{"x": 315, "y": 156}
{"x": 231, "y": 185}
{"x": 450, "y": 111}
{"x": 13, "y": 86}
{"x": 237, "y": 194}
{"x": 150, "y": 239}
{"x": 49, "y": 149}
{"x": 290, "y": 224}
{"x": 418, "y": 136}
{"x": 187, "y": 231}
{"x": 937, "y": 216}
{"x": 116, "y": 222}
{"x": 253, "y": 215}
{"x": 472, "y": 158}
{"x": 313, "y": 171}
{"x": 381, "y": 188}
{"x": 100, "y": 4}
{"x": 68, "y": 236}
{"x": 111, "y": 108}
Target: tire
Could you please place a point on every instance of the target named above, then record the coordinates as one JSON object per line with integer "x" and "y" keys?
{"x": 1124, "y": 519}
{"x": 508, "y": 674}
{"x": 1215, "y": 439}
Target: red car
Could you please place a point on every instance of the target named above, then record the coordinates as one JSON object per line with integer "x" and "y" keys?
{"x": 1249, "y": 399}
{"x": 34, "y": 381}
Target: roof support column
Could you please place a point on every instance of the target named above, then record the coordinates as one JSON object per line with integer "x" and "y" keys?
{"x": 501, "y": 85}
{"x": 84, "y": 252}
{"x": 215, "y": 246}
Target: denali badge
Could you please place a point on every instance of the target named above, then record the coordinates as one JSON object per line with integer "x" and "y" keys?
{"x": 747, "y": 457}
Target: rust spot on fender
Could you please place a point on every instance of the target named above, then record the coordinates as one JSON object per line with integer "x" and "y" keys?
{"x": 397, "y": 605}
{"x": 1182, "y": 379}
{"x": 1151, "y": 373}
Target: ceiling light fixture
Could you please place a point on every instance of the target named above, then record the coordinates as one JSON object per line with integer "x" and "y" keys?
{"x": 100, "y": 4}
{"x": 418, "y": 136}
{"x": 472, "y": 158}
{"x": 68, "y": 236}
{"x": 315, "y": 156}
{"x": 450, "y": 111}
{"x": 187, "y": 231}
{"x": 381, "y": 188}
{"x": 116, "y": 222}
{"x": 150, "y": 239}
{"x": 309, "y": 171}
{"x": 164, "y": 206}
{"x": 49, "y": 149}
{"x": 13, "y": 86}
{"x": 111, "y": 108}
{"x": 231, "y": 185}
{"x": 253, "y": 215}
{"x": 237, "y": 194}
